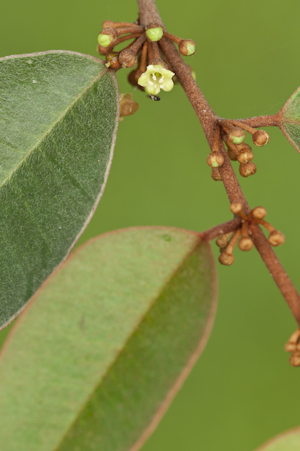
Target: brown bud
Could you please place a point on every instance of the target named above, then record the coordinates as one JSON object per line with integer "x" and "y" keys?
{"x": 276, "y": 238}
{"x": 187, "y": 47}
{"x": 243, "y": 147}
{"x": 295, "y": 359}
{"x": 259, "y": 212}
{"x": 102, "y": 50}
{"x": 236, "y": 208}
{"x": 236, "y": 135}
{"x": 222, "y": 241}
{"x": 260, "y": 138}
{"x": 290, "y": 347}
{"x": 215, "y": 159}
{"x": 112, "y": 60}
{"x": 232, "y": 155}
{"x": 247, "y": 169}
{"x": 128, "y": 58}
{"x": 215, "y": 174}
{"x": 108, "y": 24}
{"x": 245, "y": 243}
{"x": 127, "y": 105}
{"x": 226, "y": 259}
{"x": 245, "y": 156}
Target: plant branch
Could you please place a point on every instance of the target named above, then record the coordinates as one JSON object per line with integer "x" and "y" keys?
{"x": 221, "y": 229}
{"x": 209, "y": 121}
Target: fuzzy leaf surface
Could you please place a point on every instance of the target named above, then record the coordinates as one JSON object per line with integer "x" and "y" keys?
{"x": 106, "y": 342}
{"x": 290, "y": 119}
{"x": 288, "y": 441}
{"x": 58, "y": 120}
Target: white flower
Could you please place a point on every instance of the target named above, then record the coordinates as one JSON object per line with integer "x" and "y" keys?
{"x": 156, "y": 78}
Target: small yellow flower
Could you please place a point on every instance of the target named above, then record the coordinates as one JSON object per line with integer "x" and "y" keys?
{"x": 156, "y": 78}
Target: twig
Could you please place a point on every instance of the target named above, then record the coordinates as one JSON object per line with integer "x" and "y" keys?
{"x": 209, "y": 120}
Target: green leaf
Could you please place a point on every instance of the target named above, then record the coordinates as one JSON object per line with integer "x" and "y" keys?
{"x": 288, "y": 441}
{"x": 95, "y": 360}
{"x": 289, "y": 119}
{"x": 58, "y": 121}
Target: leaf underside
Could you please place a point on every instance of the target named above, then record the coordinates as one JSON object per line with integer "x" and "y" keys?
{"x": 288, "y": 441}
{"x": 58, "y": 119}
{"x": 113, "y": 331}
{"x": 290, "y": 119}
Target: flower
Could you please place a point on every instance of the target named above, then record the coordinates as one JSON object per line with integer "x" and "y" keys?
{"x": 156, "y": 78}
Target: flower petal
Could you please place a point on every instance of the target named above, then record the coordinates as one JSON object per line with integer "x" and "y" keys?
{"x": 152, "y": 90}
{"x": 167, "y": 73}
{"x": 144, "y": 79}
{"x": 167, "y": 85}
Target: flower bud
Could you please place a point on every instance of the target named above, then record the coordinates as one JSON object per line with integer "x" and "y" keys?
{"x": 247, "y": 169}
{"x": 215, "y": 160}
{"x": 236, "y": 135}
{"x": 245, "y": 243}
{"x": 232, "y": 155}
{"x": 128, "y": 58}
{"x": 243, "y": 147}
{"x": 187, "y": 47}
{"x": 276, "y": 238}
{"x": 259, "y": 212}
{"x": 236, "y": 208}
{"x": 154, "y": 32}
{"x": 245, "y": 156}
{"x": 290, "y": 347}
{"x": 127, "y": 105}
{"x": 295, "y": 359}
{"x": 112, "y": 60}
{"x": 107, "y": 37}
{"x": 260, "y": 138}
{"x": 222, "y": 241}
{"x": 215, "y": 174}
{"x": 108, "y": 24}
{"x": 102, "y": 50}
{"x": 226, "y": 259}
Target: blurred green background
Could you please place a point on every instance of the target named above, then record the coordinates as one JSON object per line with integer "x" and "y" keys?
{"x": 242, "y": 391}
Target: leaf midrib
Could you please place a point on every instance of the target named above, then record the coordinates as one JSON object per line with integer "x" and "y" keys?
{"x": 140, "y": 322}
{"x": 59, "y": 119}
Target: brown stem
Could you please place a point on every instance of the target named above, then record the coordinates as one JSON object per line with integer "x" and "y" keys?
{"x": 221, "y": 229}
{"x": 261, "y": 121}
{"x": 126, "y": 24}
{"x": 173, "y": 38}
{"x": 242, "y": 125}
{"x": 127, "y": 37}
{"x": 154, "y": 51}
{"x": 138, "y": 43}
{"x": 127, "y": 30}
{"x": 143, "y": 63}
{"x": 209, "y": 120}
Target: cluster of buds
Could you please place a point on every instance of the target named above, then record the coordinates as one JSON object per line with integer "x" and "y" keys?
{"x": 293, "y": 346}
{"x": 233, "y": 133}
{"x": 243, "y": 234}
{"x": 153, "y": 72}
{"x": 234, "y": 136}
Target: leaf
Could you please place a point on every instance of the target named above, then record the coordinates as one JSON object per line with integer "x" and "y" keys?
{"x": 289, "y": 119}
{"x": 58, "y": 121}
{"x": 98, "y": 356}
{"x": 287, "y": 441}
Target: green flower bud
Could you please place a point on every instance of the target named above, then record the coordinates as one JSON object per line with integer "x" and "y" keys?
{"x": 105, "y": 40}
{"x": 187, "y": 47}
{"x": 154, "y": 34}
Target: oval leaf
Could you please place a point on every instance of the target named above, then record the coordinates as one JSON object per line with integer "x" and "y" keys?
{"x": 58, "y": 120}
{"x": 97, "y": 357}
{"x": 289, "y": 119}
{"x": 288, "y": 441}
